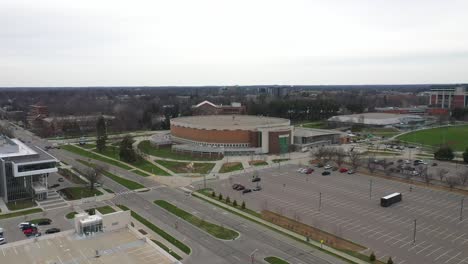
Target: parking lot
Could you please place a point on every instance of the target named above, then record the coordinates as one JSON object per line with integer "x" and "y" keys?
{"x": 12, "y": 233}
{"x": 349, "y": 206}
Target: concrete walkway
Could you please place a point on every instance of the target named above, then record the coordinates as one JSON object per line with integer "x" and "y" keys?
{"x": 283, "y": 230}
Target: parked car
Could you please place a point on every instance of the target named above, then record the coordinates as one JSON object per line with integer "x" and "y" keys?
{"x": 235, "y": 185}
{"x": 325, "y": 173}
{"x": 23, "y": 224}
{"x": 2, "y": 241}
{"x": 240, "y": 187}
{"x": 300, "y": 169}
{"x": 30, "y": 231}
{"x": 414, "y": 173}
{"x": 44, "y": 222}
{"x": 256, "y": 179}
{"x": 351, "y": 172}
{"x": 54, "y": 185}
{"x": 247, "y": 190}
{"x": 407, "y": 162}
{"x": 327, "y": 167}
{"x": 434, "y": 164}
{"x": 52, "y": 230}
{"x": 60, "y": 179}
{"x": 342, "y": 170}
{"x": 304, "y": 170}
{"x": 258, "y": 188}
{"x": 309, "y": 171}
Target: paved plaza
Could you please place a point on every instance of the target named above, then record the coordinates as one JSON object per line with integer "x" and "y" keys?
{"x": 349, "y": 206}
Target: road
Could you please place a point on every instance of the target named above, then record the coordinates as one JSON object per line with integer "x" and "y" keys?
{"x": 206, "y": 249}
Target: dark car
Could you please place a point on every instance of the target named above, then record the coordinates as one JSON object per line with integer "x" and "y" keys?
{"x": 246, "y": 190}
{"x": 258, "y": 188}
{"x": 240, "y": 187}
{"x": 54, "y": 185}
{"x": 44, "y": 222}
{"x": 256, "y": 179}
{"x": 52, "y": 230}
{"x": 434, "y": 164}
{"x": 325, "y": 173}
{"x": 234, "y": 186}
{"x": 60, "y": 179}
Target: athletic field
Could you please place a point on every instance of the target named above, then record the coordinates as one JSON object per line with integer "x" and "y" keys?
{"x": 454, "y": 136}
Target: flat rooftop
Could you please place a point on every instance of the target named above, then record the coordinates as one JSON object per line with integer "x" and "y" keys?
{"x": 229, "y": 121}
{"x": 120, "y": 246}
{"x": 314, "y": 132}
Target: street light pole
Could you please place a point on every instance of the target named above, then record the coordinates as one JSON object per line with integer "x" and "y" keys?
{"x": 370, "y": 189}
{"x": 320, "y": 201}
{"x": 461, "y": 208}
{"x": 414, "y": 232}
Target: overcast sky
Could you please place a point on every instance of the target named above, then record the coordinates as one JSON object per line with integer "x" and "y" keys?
{"x": 218, "y": 42}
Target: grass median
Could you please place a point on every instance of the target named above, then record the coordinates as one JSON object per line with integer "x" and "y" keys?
{"x": 122, "y": 181}
{"x": 183, "y": 167}
{"x": 231, "y": 166}
{"x": 21, "y": 213}
{"x": 215, "y": 230}
{"x": 168, "y": 250}
{"x": 184, "y": 248}
{"x": 275, "y": 260}
{"x": 92, "y": 155}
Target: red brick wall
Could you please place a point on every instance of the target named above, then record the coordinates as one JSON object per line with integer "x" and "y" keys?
{"x": 213, "y": 136}
{"x": 437, "y": 111}
{"x": 458, "y": 101}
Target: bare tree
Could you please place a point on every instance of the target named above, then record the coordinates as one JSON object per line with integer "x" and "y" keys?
{"x": 317, "y": 153}
{"x": 7, "y": 130}
{"x": 371, "y": 165}
{"x": 451, "y": 181}
{"x": 330, "y": 154}
{"x": 93, "y": 175}
{"x": 441, "y": 172}
{"x": 355, "y": 159}
{"x": 463, "y": 176}
{"x": 421, "y": 170}
{"x": 340, "y": 156}
{"x": 427, "y": 177}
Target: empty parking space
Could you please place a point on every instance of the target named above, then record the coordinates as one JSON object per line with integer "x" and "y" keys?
{"x": 349, "y": 206}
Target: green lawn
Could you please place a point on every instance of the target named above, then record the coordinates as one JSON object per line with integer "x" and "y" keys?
{"x": 69, "y": 175}
{"x": 279, "y": 160}
{"x": 92, "y": 155}
{"x": 21, "y": 213}
{"x": 180, "y": 245}
{"x": 166, "y": 152}
{"x": 105, "y": 209}
{"x": 231, "y": 166}
{"x": 275, "y": 260}
{"x": 17, "y": 205}
{"x": 35, "y": 221}
{"x": 149, "y": 167}
{"x": 181, "y": 167}
{"x": 454, "y": 136}
{"x": 318, "y": 124}
{"x": 125, "y": 182}
{"x": 88, "y": 146}
{"x": 141, "y": 173}
{"x": 74, "y": 193}
{"x": 71, "y": 215}
{"x": 258, "y": 163}
{"x": 168, "y": 250}
{"x": 213, "y": 229}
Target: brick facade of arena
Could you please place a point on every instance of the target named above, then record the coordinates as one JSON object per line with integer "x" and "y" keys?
{"x": 260, "y": 133}
{"x": 213, "y": 135}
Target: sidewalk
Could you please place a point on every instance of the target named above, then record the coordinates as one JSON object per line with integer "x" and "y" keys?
{"x": 283, "y": 230}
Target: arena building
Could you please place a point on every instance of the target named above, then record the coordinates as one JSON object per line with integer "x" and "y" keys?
{"x": 232, "y": 135}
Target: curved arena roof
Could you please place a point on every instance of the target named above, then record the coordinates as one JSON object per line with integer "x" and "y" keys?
{"x": 229, "y": 122}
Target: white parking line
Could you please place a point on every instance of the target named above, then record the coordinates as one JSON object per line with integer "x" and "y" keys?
{"x": 433, "y": 251}
{"x": 453, "y": 257}
{"x": 446, "y": 252}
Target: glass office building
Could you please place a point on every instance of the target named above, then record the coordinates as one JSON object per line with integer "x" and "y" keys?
{"x": 23, "y": 170}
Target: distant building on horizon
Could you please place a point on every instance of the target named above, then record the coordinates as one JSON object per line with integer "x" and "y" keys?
{"x": 209, "y": 108}
{"x": 449, "y": 98}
